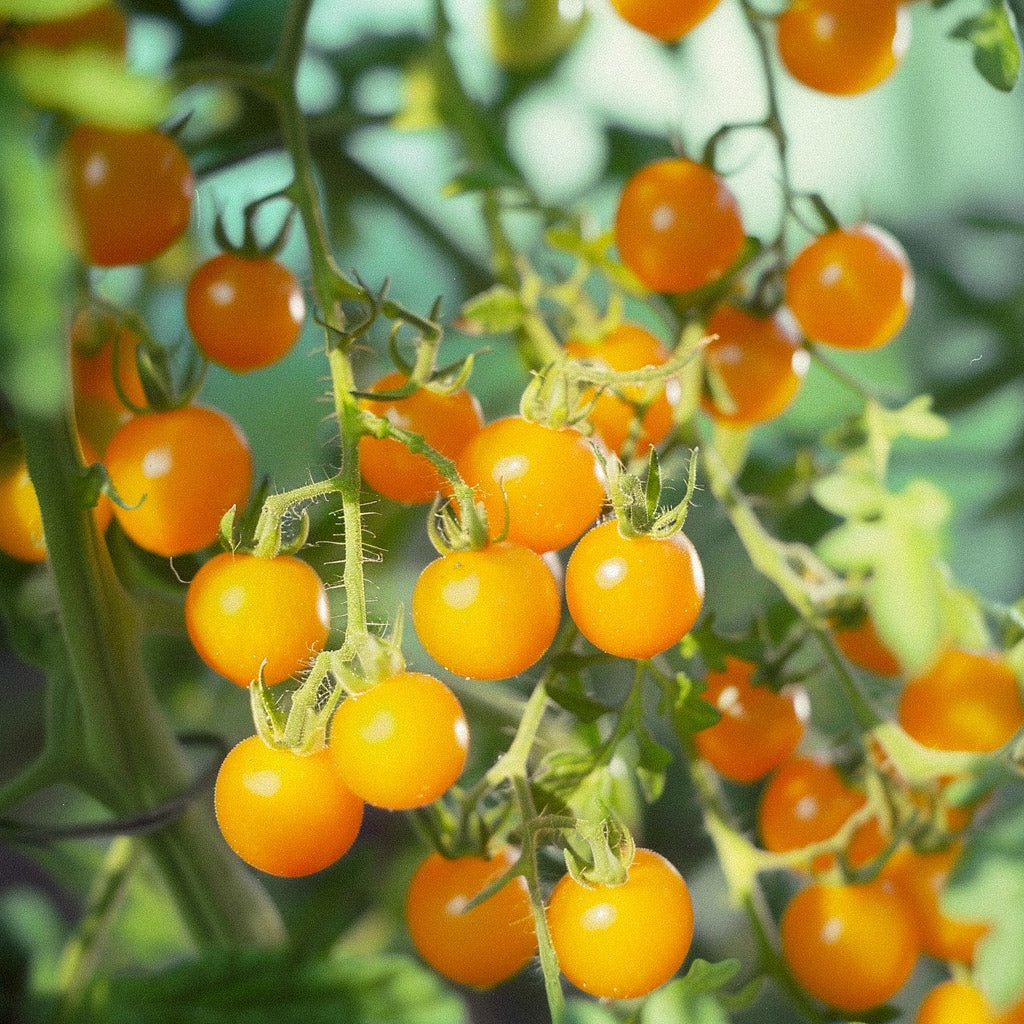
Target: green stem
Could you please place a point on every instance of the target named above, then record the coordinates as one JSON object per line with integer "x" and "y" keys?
{"x": 514, "y": 761}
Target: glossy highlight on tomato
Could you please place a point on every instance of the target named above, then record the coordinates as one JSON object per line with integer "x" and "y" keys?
{"x": 851, "y": 288}
{"x": 851, "y": 946}
{"x": 667, "y": 20}
{"x": 550, "y": 478}
{"x": 759, "y": 363}
{"x": 633, "y": 597}
{"x": 627, "y": 347}
{"x": 244, "y": 313}
{"x": 758, "y": 729}
{"x": 598, "y": 930}
{"x": 843, "y": 47}
{"x": 481, "y": 947}
{"x": 131, "y": 190}
{"x": 283, "y": 813}
{"x": 678, "y": 226}
{"x": 965, "y": 701}
{"x": 486, "y": 614}
{"x": 184, "y": 469}
{"x": 243, "y": 613}
{"x": 446, "y": 422}
{"x": 402, "y": 743}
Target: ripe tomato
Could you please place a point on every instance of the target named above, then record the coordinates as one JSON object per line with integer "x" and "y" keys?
{"x": 479, "y": 947}
{"x": 21, "y": 521}
{"x": 283, "y": 813}
{"x": 242, "y": 612}
{"x": 633, "y": 597}
{"x": 864, "y": 647}
{"x": 401, "y": 743}
{"x": 627, "y": 347}
{"x": 596, "y": 930}
{"x": 99, "y": 410}
{"x": 851, "y": 946}
{"x": 486, "y": 614}
{"x": 851, "y": 288}
{"x": 920, "y": 878}
{"x": 551, "y": 480}
{"x": 447, "y": 423}
{"x": 678, "y": 226}
{"x": 190, "y": 465}
{"x": 956, "y": 1002}
{"x": 244, "y": 313}
{"x": 132, "y": 192}
{"x": 666, "y": 21}
{"x": 760, "y": 362}
{"x": 805, "y": 802}
{"x": 758, "y": 729}
{"x": 965, "y": 701}
{"x": 103, "y": 26}
{"x": 843, "y": 46}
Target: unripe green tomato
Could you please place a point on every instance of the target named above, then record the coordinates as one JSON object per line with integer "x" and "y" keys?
{"x": 527, "y": 34}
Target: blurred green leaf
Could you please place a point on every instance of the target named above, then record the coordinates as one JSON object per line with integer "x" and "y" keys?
{"x": 996, "y": 49}
{"x": 45, "y": 10}
{"x": 577, "y": 703}
{"x": 653, "y": 761}
{"x": 690, "y": 712}
{"x": 580, "y": 1011}
{"x": 494, "y": 311}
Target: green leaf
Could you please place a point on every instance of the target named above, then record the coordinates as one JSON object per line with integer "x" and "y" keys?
{"x": 849, "y": 495}
{"x": 482, "y": 179}
{"x": 45, "y": 10}
{"x": 577, "y": 703}
{"x": 495, "y": 311}
{"x": 650, "y": 768}
{"x": 996, "y": 49}
{"x": 690, "y": 712}
{"x": 708, "y": 977}
{"x": 267, "y": 987}
{"x": 692, "y": 998}
{"x": 580, "y": 1011}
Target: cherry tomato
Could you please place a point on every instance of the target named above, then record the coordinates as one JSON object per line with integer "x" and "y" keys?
{"x": 920, "y": 878}
{"x": 864, "y": 647}
{"x": 956, "y": 1002}
{"x": 244, "y": 313}
{"x": 242, "y": 612}
{"x": 185, "y": 467}
{"x": 966, "y": 701}
{"x": 103, "y": 26}
{"x": 633, "y": 597}
{"x": 627, "y": 347}
{"x": 758, "y": 729}
{"x": 480, "y": 947}
{"x": 132, "y": 192}
{"x": 551, "y": 481}
{"x": 21, "y": 521}
{"x": 806, "y": 802}
{"x": 486, "y": 614}
{"x": 851, "y": 288}
{"x": 758, "y": 360}
{"x": 668, "y": 21}
{"x": 283, "y": 813}
{"x": 843, "y": 47}
{"x": 597, "y": 930}
{"x": 678, "y": 226}
{"x": 851, "y": 946}
{"x": 401, "y": 743}
{"x": 447, "y": 423}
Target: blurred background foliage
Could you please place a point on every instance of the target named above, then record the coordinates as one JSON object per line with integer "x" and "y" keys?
{"x": 934, "y": 155}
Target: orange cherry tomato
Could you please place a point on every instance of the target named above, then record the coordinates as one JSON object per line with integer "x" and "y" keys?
{"x": 843, "y": 47}
{"x": 486, "y": 614}
{"x": 184, "y": 468}
{"x": 864, "y": 647}
{"x": 851, "y": 946}
{"x": 447, "y": 423}
{"x": 283, "y": 813}
{"x": 758, "y": 360}
{"x": 920, "y": 878}
{"x": 480, "y": 947}
{"x": 851, "y": 288}
{"x": 627, "y": 347}
{"x": 244, "y": 313}
{"x": 244, "y": 612}
{"x": 965, "y": 701}
{"x": 596, "y": 930}
{"x": 758, "y": 729}
{"x": 550, "y": 478}
{"x": 678, "y": 226}
{"x": 668, "y": 20}
{"x": 633, "y": 597}
{"x": 956, "y": 1002}
{"x": 103, "y": 26}
{"x": 402, "y": 743}
{"x": 132, "y": 192}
